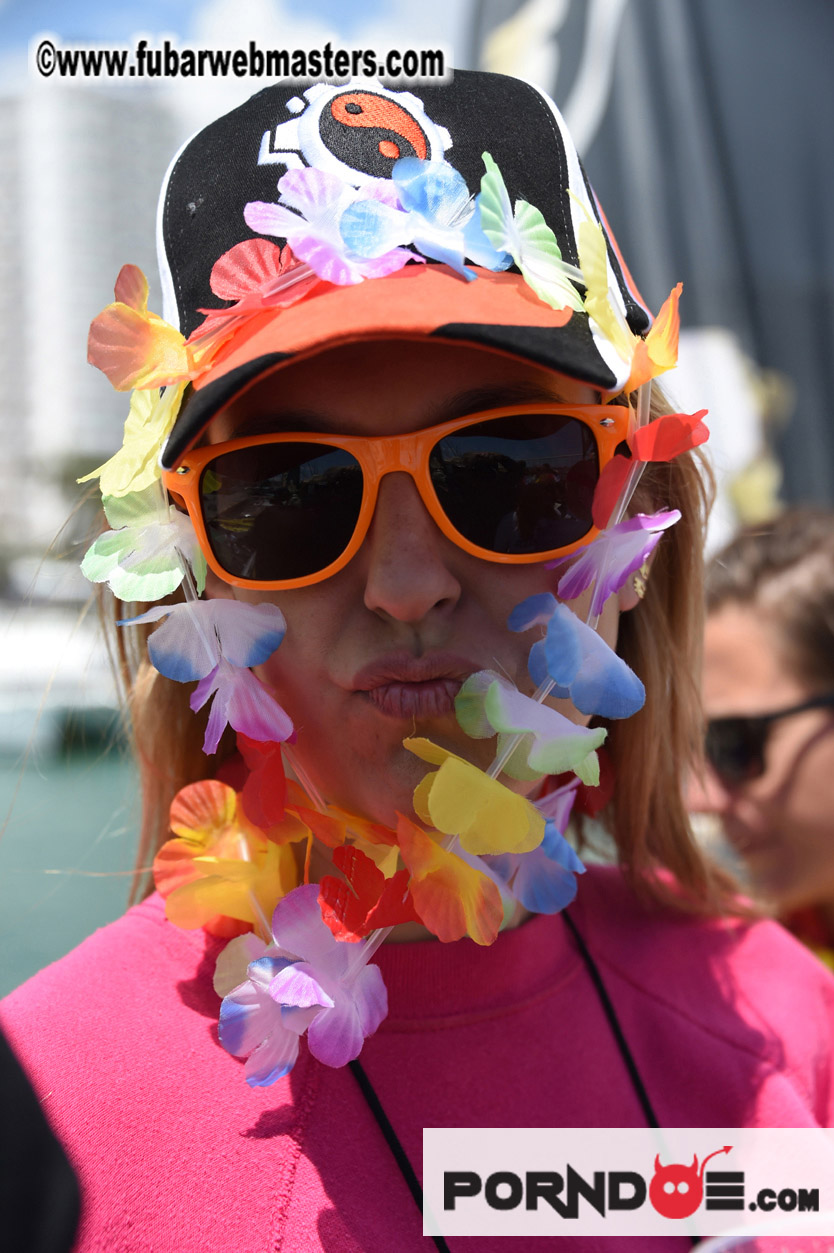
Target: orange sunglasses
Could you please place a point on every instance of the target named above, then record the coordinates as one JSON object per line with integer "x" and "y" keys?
{"x": 512, "y": 485}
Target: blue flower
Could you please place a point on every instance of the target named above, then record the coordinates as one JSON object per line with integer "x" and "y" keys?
{"x": 544, "y": 880}
{"x": 577, "y": 661}
{"x": 438, "y": 216}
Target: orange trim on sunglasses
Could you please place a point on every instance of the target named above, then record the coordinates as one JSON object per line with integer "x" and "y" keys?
{"x": 388, "y": 454}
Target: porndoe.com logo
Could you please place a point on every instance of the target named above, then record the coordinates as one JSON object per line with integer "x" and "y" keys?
{"x": 613, "y": 1181}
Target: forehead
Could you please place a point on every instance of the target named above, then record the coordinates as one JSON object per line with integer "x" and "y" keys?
{"x": 745, "y": 669}
{"x": 388, "y": 387}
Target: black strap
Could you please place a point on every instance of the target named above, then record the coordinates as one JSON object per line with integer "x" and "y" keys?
{"x": 617, "y": 1031}
{"x": 390, "y": 1134}
{"x": 613, "y": 1022}
{"x": 391, "y": 1139}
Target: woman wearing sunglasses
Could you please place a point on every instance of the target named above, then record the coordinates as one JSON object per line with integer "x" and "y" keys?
{"x": 395, "y": 513}
{"x": 769, "y": 699}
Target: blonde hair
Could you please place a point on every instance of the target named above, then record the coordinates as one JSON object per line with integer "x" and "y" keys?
{"x": 653, "y": 751}
{"x": 650, "y": 753}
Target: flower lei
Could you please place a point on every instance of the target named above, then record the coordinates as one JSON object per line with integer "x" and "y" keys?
{"x": 298, "y": 955}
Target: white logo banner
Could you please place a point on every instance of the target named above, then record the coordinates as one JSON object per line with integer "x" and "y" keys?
{"x": 627, "y": 1182}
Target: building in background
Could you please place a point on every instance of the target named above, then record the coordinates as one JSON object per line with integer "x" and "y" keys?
{"x": 80, "y": 173}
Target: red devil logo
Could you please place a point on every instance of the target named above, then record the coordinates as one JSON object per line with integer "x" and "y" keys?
{"x": 676, "y": 1191}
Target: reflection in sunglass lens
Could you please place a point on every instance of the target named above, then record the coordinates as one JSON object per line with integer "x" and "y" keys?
{"x": 735, "y": 748}
{"x": 518, "y": 485}
{"x": 280, "y": 511}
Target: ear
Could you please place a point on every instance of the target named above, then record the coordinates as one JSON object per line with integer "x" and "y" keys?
{"x": 217, "y": 588}
{"x": 630, "y": 595}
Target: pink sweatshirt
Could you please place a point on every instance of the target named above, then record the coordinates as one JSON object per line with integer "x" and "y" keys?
{"x": 730, "y": 1025}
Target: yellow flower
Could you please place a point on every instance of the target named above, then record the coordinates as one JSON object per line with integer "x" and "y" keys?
{"x": 459, "y": 799}
{"x": 221, "y": 872}
{"x": 136, "y": 465}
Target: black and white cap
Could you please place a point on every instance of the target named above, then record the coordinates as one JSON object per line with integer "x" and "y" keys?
{"x": 358, "y": 131}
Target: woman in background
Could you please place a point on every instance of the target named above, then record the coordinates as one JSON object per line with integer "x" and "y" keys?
{"x": 769, "y": 702}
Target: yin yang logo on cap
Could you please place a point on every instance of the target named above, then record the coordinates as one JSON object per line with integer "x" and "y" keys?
{"x": 356, "y": 133}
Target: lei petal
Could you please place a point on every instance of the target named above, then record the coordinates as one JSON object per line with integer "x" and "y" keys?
{"x": 132, "y": 288}
{"x": 257, "y": 275}
{"x": 367, "y": 900}
{"x": 659, "y": 351}
{"x": 231, "y": 966}
{"x": 669, "y": 436}
{"x": 240, "y": 701}
{"x": 459, "y": 799}
{"x": 219, "y": 867}
{"x": 335, "y": 1037}
{"x": 197, "y": 634}
{"x": 240, "y": 1031}
{"x": 135, "y": 348}
{"x": 612, "y": 557}
{"x": 255, "y": 272}
{"x": 251, "y": 1022}
{"x": 296, "y": 987}
{"x": 558, "y": 804}
{"x": 136, "y": 465}
{"x": 438, "y": 216}
{"x": 298, "y": 926}
{"x": 593, "y": 261}
{"x": 264, "y": 793}
{"x": 661, "y": 440}
{"x": 370, "y": 229}
{"x": 273, "y": 1059}
{"x": 488, "y": 703}
{"x": 523, "y": 233}
{"x": 603, "y": 684}
{"x": 543, "y": 881}
{"x": 351, "y": 997}
{"x": 320, "y": 199}
{"x": 452, "y": 898}
{"x": 556, "y": 744}
{"x": 566, "y": 659}
{"x": 470, "y": 705}
{"x": 144, "y": 556}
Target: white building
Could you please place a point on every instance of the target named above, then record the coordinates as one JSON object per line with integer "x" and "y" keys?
{"x": 79, "y": 175}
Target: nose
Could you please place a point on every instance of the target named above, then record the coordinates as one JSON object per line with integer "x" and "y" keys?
{"x": 706, "y": 794}
{"x": 408, "y": 560}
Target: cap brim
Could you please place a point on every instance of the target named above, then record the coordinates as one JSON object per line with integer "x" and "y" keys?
{"x": 499, "y": 312}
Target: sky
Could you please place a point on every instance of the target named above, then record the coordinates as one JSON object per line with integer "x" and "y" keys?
{"x": 104, "y": 19}
{"x": 227, "y": 23}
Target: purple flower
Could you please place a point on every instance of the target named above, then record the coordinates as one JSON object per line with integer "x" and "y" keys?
{"x": 346, "y": 995}
{"x": 216, "y": 641}
{"x": 609, "y": 560}
{"x": 240, "y": 701}
{"x": 320, "y": 199}
{"x": 250, "y": 1023}
{"x": 306, "y": 981}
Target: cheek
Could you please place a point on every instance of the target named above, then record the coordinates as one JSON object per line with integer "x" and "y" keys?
{"x": 297, "y": 669}
{"x": 808, "y": 792}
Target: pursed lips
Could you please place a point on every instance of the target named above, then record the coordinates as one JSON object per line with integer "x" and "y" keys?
{"x": 405, "y": 687}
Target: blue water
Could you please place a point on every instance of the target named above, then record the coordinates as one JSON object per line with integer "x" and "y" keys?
{"x": 65, "y": 853}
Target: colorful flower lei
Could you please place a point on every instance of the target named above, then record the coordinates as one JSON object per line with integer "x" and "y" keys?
{"x": 297, "y": 961}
